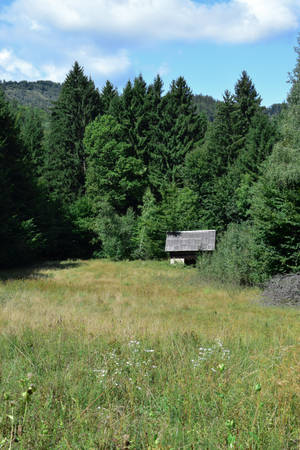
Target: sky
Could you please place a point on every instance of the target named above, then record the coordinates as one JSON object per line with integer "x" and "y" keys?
{"x": 209, "y": 42}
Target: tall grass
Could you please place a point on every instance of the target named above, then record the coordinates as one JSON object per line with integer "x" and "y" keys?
{"x": 99, "y": 355}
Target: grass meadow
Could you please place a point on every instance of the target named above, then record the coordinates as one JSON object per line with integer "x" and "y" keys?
{"x": 142, "y": 355}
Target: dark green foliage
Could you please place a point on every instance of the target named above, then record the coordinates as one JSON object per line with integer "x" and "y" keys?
{"x": 179, "y": 206}
{"x": 247, "y": 99}
{"x": 275, "y": 109}
{"x": 221, "y": 137}
{"x": 222, "y": 171}
{"x": 108, "y": 95}
{"x": 275, "y": 208}
{"x": 179, "y": 131}
{"x": 32, "y": 135}
{"x": 116, "y": 232}
{"x": 260, "y": 140}
{"x": 206, "y": 104}
{"x": 135, "y": 115}
{"x": 65, "y": 166}
{"x": 176, "y": 211}
{"x": 113, "y": 170}
{"x": 19, "y": 237}
{"x": 235, "y": 259}
{"x": 151, "y": 233}
{"x": 111, "y": 173}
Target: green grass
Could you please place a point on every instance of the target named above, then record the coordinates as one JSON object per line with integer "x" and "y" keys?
{"x": 100, "y": 355}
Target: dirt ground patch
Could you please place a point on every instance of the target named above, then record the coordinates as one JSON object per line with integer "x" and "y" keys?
{"x": 282, "y": 290}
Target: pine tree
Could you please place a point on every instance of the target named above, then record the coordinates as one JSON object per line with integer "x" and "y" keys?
{"x": 230, "y": 154}
{"x": 221, "y": 137}
{"x": 259, "y": 143}
{"x": 114, "y": 173}
{"x": 275, "y": 208}
{"x": 78, "y": 104}
{"x": 206, "y": 168}
{"x": 247, "y": 104}
{"x": 180, "y": 129}
{"x": 137, "y": 111}
{"x": 32, "y": 135}
{"x": 107, "y": 96}
{"x": 19, "y": 236}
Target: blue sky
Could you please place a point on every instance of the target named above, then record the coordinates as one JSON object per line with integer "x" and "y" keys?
{"x": 208, "y": 42}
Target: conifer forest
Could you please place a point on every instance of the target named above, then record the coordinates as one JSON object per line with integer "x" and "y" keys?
{"x": 107, "y": 174}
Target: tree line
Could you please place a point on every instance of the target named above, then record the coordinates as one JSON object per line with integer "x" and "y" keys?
{"x": 109, "y": 174}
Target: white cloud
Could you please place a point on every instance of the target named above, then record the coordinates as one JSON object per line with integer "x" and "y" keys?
{"x": 101, "y": 64}
{"x": 231, "y": 21}
{"x": 43, "y": 38}
{"x": 163, "y": 69}
{"x": 98, "y": 64}
{"x": 13, "y": 68}
{"x": 54, "y": 73}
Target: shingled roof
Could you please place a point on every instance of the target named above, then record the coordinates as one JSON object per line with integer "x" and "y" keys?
{"x": 190, "y": 241}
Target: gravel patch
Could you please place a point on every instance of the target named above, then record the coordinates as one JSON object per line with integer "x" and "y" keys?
{"x": 282, "y": 290}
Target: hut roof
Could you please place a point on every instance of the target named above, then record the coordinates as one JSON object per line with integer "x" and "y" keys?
{"x": 190, "y": 241}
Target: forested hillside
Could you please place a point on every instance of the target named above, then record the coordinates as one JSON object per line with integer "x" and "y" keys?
{"x": 42, "y": 95}
{"x": 115, "y": 171}
{"x": 37, "y": 94}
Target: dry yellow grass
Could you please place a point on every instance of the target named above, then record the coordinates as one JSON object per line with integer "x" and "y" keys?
{"x": 102, "y": 303}
{"x": 137, "y": 298}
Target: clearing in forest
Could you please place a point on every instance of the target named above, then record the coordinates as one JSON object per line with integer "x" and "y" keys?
{"x": 99, "y": 354}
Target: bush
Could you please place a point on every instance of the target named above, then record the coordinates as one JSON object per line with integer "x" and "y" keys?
{"x": 117, "y": 233}
{"x": 235, "y": 261}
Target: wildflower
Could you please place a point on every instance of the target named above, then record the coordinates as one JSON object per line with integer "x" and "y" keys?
{"x": 221, "y": 367}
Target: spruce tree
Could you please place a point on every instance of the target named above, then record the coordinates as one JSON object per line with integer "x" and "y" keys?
{"x": 114, "y": 173}
{"x": 180, "y": 129}
{"x": 78, "y": 104}
{"x": 206, "y": 167}
{"x": 221, "y": 136}
{"x": 32, "y": 136}
{"x": 275, "y": 208}
{"x": 247, "y": 104}
{"x": 19, "y": 237}
{"x": 108, "y": 94}
{"x": 230, "y": 154}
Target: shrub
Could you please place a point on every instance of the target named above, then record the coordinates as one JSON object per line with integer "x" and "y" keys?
{"x": 116, "y": 233}
{"x": 235, "y": 261}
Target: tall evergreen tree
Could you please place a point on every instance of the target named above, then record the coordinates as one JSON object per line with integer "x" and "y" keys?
{"x": 19, "y": 236}
{"x": 114, "y": 173}
{"x": 78, "y": 104}
{"x": 133, "y": 115}
{"x": 226, "y": 157}
{"x": 137, "y": 111}
{"x": 206, "y": 166}
{"x": 181, "y": 128}
{"x": 247, "y": 104}
{"x": 32, "y": 135}
{"x": 107, "y": 96}
{"x": 221, "y": 136}
{"x": 275, "y": 208}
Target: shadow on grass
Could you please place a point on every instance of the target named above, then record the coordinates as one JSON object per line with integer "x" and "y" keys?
{"x": 34, "y": 271}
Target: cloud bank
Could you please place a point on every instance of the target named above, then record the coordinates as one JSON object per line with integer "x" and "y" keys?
{"x": 101, "y": 34}
{"x": 233, "y": 21}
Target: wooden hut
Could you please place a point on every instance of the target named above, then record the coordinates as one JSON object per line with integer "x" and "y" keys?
{"x": 184, "y": 246}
